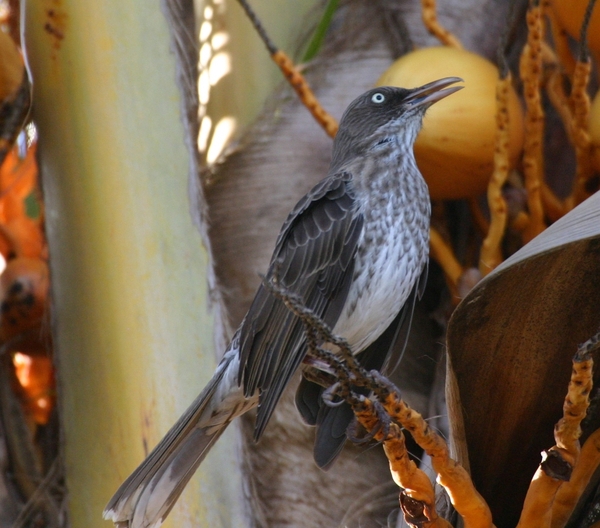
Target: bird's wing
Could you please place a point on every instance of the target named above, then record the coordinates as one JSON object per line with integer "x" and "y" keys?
{"x": 313, "y": 258}
{"x": 398, "y": 345}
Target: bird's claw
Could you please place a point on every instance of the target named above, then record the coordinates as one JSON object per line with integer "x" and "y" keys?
{"x": 381, "y": 385}
{"x": 353, "y": 431}
{"x": 380, "y": 430}
{"x": 383, "y": 419}
{"x": 330, "y": 394}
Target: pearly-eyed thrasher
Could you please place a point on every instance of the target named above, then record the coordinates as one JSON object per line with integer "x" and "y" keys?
{"x": 354, "y": 250}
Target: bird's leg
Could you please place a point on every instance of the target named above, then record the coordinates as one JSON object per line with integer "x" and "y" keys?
{"x": 371, "y": 415}
{"x": 328, "y": 370}
{"x": 318, "y": 372}
{"x": 380, "y": 386}
{"x": 339, "y": 389}
{"x": 344, "y": 377}
{"x": 335, "y": 381}
{"x": 312, "y": 362}
{"x": 356, "y": 434}
{"x": 340, "y": 382}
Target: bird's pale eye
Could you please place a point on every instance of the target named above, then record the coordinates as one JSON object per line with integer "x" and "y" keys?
{"x": 378, "y": 98}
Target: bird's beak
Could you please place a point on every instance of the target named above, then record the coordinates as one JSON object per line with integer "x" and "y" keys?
{"x": 432, "y": 92}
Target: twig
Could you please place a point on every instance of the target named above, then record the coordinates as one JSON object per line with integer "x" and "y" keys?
{"x": 558, "y": 462}
{"x": 570, "y": 492}
{"x": 429, "y": 14}
{"x": 42, "y": 501}
{"x": 560, "y": 37}
{"x": 491, "y": 251}
{"x": 305, "y": 93}
{"x": 451, "y": 475}
{"x": 560, "y": 101}
{"x": 533, "y": 161}
{"x": 418, "y": 496}
{"x": 580, "y": 104}
{"x": 293, "y": 76}
{"x": 442, "y": 253}
{"x": 479, "y": 220}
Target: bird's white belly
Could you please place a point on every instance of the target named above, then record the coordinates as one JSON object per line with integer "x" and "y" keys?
{"x": 381, "y": 288}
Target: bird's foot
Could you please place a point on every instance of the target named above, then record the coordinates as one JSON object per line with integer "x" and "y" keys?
{"x": 333, "y": 395}
{"x": 372, "y": 417}
{"x": 380, "y": 386}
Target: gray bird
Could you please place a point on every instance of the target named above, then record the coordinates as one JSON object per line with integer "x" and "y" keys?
{"x": 355, "y": 250}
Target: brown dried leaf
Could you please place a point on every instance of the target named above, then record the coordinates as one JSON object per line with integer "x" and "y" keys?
{"x": 510, "y": 344}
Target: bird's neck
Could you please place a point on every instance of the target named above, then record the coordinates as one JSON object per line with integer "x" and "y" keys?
{"x": 389, "y": 174}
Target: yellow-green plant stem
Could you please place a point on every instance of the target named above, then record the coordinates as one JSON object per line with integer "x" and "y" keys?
{"x": 130, "y": 312}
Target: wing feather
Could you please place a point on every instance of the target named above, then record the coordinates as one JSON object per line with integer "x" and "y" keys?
{"x": 313, "y": 258}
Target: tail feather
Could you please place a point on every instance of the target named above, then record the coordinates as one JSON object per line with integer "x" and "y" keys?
{"x": 147, "y": 496}
{"x": 162, "y": 491}
{"x": 332, "y": 424}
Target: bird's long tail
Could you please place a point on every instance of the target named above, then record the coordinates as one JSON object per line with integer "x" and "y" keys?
{"x": 149, "y": 493}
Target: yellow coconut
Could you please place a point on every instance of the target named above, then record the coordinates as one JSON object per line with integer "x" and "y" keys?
{"x": 455, "y": 149}
{"x": 569, "y": 16}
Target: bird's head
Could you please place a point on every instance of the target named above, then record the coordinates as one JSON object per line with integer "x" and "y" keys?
{"x": 386, "y": 117}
